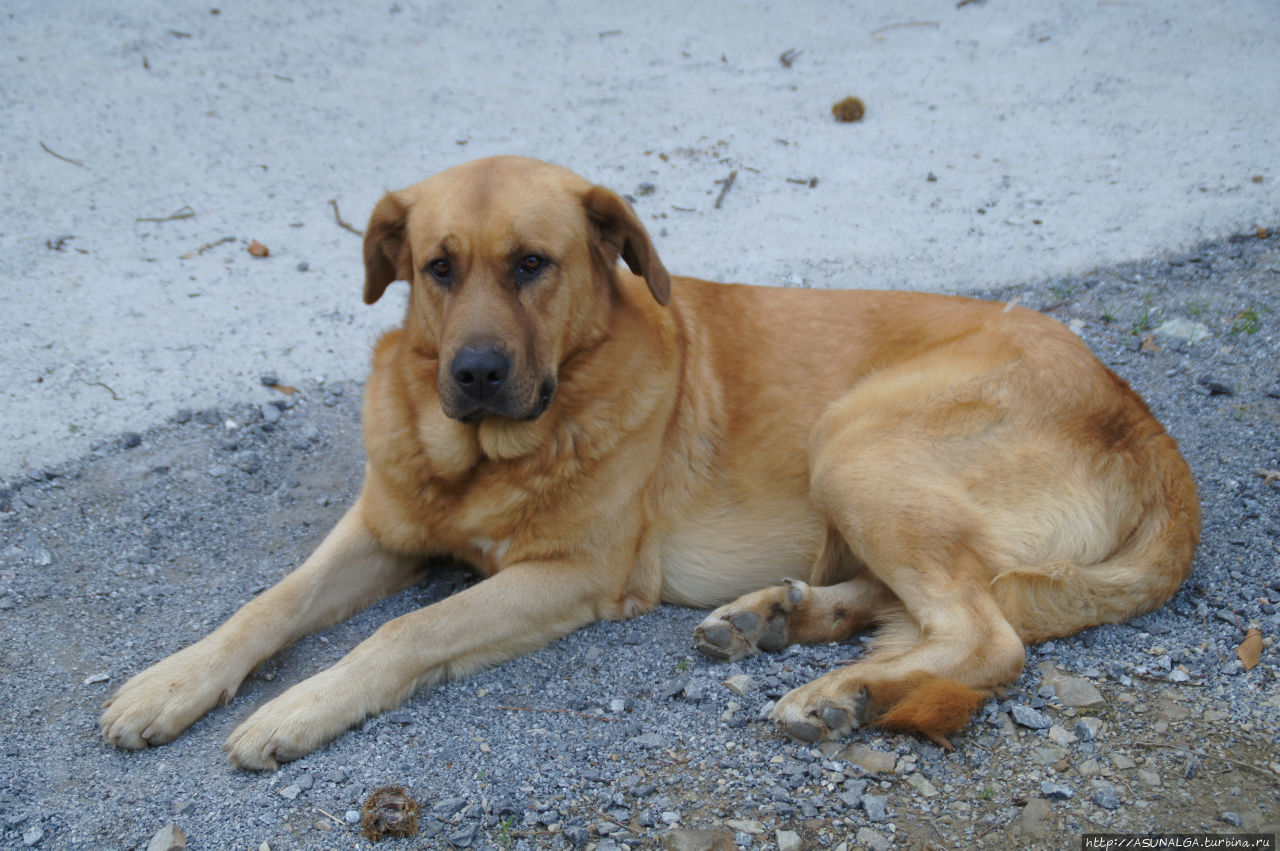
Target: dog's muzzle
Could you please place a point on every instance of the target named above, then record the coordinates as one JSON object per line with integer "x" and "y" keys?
{"x": 482, "y": 384}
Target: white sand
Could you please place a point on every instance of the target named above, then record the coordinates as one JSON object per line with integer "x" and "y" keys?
{"x": 1125, "y": 128}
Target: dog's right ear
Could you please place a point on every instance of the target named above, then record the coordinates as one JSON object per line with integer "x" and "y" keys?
{"x": 386, "y": 251}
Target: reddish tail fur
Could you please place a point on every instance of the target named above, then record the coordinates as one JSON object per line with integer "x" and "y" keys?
{"x": 933, "y": 706}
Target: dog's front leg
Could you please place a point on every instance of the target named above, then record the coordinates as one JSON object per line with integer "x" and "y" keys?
{"x": 513, "y": 612}
{"x": 348, "y": 571}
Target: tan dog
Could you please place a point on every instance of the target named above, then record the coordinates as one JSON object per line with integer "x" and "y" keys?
{"x": 964, "y": 474}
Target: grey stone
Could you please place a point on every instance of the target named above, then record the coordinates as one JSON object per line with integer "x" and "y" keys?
{"x": 1055, "y": 791}
{"x": 649, "y": 741}
{"x": 688, "y": 839}
{"x": 1077, "y": 691}
{"x": 1232, "y": 819}
{"x": 33, "y": 835}
{"x": 1215, "y": 385}
{"x": 290, "y": 792}
{"x": 1106, "y": 797}
{"x": 465, "y": 836}
{"x": 448, "y": 807}
{"x": 1087, "y": 729}
{"x": 168, "y": 838}
{"x": 1028, "y": 717}
{"x": 788, "y": 840}
{"x": 876, "y": 807}
{"x": 875, "y": 761}
{"x": 873, "y": 840}
{"x": 1034, "y": 817}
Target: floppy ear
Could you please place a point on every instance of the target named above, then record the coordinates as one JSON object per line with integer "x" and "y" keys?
{"x": 386, "y": 253}
{"x": 619, "y": 233}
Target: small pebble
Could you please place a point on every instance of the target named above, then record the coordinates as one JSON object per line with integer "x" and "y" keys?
{"x": 1028, "y": 717}
{"x": 130, "y": 440}
{"x": 1106, "y": 797}
{"x": 1055, "y": 791}
{"x": 1215, "y": 385}
{"x": 876, "y": 807}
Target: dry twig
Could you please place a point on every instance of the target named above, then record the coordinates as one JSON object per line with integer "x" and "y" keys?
{"x": 879, "y": 34}
{"x": 104, "y": 386}
{"x": 202, "y": 249}
{"x": 333, "y": 202}
{"x": 563, "y": 712}
{"x": 54, "y": 153}
{"x": 184, "y": 213}
{"x": 727, "y": 185}
{"x": 1265, "y": 772}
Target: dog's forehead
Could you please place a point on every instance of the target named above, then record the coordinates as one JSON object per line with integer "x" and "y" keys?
{"x": 501, "y": 203}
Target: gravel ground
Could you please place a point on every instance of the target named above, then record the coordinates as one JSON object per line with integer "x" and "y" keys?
{"x": 621, "y": 735}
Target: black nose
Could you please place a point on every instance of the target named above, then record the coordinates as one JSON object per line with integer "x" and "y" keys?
{"x": 480, "y": 373}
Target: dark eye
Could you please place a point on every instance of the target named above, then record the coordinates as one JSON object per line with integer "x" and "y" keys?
{"x": 530, "y": 267}
{"x": 441, "y": 271}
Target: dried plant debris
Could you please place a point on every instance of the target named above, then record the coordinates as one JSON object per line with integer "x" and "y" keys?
{"x": 389, "y": 811}
{"x": 850, "y": 109}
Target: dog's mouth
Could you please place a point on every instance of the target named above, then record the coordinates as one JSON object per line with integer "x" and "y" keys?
{"x": 546, "y": 394}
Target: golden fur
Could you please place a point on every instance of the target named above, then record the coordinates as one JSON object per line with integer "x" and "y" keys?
{"x": 964, "y": 475}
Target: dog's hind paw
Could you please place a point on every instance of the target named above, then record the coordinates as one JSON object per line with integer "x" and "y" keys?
{"x": 751, "y": 624}
{"x": 810, "y": 718}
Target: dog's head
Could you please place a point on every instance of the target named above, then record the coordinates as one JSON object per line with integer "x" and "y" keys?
{"x": 513, "y": 267}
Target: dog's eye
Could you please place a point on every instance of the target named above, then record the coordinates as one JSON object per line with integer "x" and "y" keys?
{"x": 530, "y": 267}
{"x": 440, "y": 270}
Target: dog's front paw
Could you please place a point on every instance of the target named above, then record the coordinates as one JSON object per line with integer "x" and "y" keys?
{"x": 810, "y": 714}
{"x": 304, "y": 718}
{"x": 155, "y": 706}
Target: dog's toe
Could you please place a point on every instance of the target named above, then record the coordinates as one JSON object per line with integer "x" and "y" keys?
{"x": 804, "y": 729}
{"x": 716, "y": 642}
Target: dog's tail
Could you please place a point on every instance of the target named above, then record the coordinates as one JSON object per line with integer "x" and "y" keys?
{"x": 1059, "y": 599}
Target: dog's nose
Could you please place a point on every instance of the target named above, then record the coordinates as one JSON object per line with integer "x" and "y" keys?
{"x": 480, "y": 373}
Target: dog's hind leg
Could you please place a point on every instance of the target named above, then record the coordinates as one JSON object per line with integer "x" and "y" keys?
{"x": 795, "y": 613}
{"x": 932, "y": 664}
{"x": 904, "y": 505}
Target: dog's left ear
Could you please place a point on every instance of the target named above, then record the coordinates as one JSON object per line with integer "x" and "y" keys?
{"x": 620, "y": 234}
{"x": 386, "y": 252}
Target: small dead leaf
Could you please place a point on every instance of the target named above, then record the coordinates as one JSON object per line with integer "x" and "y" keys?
{"x": 1149, "y": 344}
{"x": 849, "y": 109}
{"x": 1263, "y": 233}
{"x": 1250, "y": 650}
{"x": 257, "y": 249}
